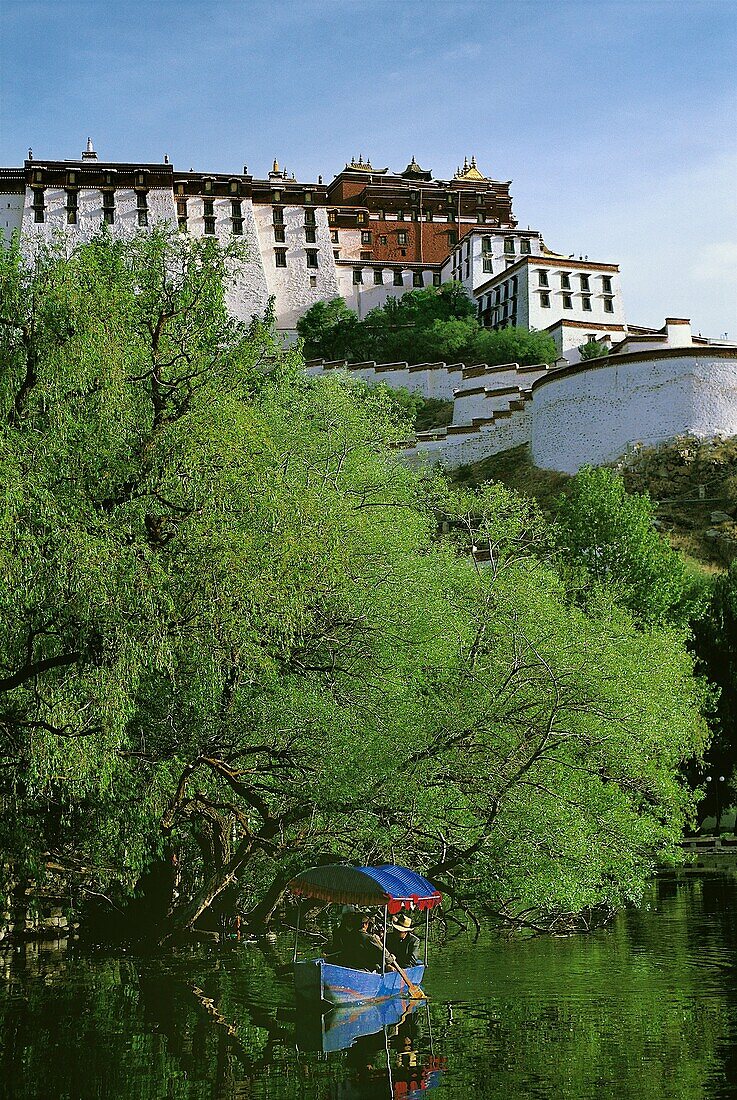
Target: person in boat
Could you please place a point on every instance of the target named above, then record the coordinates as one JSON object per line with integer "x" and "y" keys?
{"x": 359, "y": 949}
{"x": 401, "y": 942}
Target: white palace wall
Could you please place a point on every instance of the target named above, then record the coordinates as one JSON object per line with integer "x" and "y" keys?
{"x": 590, "y": 415}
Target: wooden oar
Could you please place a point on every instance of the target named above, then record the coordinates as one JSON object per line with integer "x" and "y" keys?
{"x": 415, "y": 991}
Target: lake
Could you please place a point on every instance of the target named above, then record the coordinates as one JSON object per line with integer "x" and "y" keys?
{"x": 644, "y": 1009}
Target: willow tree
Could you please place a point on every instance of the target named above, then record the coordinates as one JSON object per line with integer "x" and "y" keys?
{"x": 233, "y": 639}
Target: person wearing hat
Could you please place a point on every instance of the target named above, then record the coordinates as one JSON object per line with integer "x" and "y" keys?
{"x": 401, "y": 941}
{"x": 359, "y": 949}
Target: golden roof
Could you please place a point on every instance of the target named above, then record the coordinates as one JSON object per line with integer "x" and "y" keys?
{"x": 469, "y": 171}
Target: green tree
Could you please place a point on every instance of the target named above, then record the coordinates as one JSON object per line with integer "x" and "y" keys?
{"x": 514, "y": 345}
{"x": 593, "y": 349}
{"x": 609, "y": 535}
{"x": 329, "y": 331}
{"x": 233, "y": 640}
{"x": 715, "y": 646}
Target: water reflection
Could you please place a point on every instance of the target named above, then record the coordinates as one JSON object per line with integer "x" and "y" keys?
{"x": 647, "y": 1009}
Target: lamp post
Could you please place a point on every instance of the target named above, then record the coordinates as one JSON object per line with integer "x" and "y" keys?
{"x": 717, "y": 780}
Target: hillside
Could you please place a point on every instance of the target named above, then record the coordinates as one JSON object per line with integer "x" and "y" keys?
{"x": 693, "y": 482}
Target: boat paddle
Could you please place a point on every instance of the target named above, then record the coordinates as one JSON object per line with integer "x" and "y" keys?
{"x": 415, "y": 992}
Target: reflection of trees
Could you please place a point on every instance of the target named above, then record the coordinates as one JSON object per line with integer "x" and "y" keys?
{"x": 645, "y": 1011}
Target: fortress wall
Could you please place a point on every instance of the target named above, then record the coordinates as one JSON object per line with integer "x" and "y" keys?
{"x": 459, "y": 450}
{"x": 482, "y": 401}
{"x": 590, "y": 414}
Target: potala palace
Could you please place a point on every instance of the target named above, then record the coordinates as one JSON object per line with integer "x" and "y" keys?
{"x": 372, "y": 233}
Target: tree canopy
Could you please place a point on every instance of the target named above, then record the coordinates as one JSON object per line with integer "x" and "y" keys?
{"x": 422, "y": 326}
{"x": 238, "y": 635}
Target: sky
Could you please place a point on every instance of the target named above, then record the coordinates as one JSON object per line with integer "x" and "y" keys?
{"x": 616, "y": 120}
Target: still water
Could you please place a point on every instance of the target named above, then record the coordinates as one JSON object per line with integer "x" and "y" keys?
{"x": 646, "y": 1010}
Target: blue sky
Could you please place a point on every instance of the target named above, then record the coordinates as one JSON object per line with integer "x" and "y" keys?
{"x": 616, "y": 121}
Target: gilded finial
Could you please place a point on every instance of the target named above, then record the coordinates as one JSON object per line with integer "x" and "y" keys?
{"x": 276, "y": 165}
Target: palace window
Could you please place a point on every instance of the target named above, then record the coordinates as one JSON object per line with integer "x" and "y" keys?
{"x": 72, "y": 205}
{"x": 403, "y": 251}
{"x": 481, "y": 217}
{"x": 609, "y": 305}
{"x": 312, "y": 257}
{"x": 310, "y": 217}
{"x": 279, "y": 234}
{"x": 567, "y": 301}
{"x": 207, "y": 186}
{"x": 332, "y": 217}
{"x": 310, "y": 234}
{"x": 400, "y": 215}
{"x": 398, "y": 280}
{"x": 509, "y": 246}
{"x": 417, "y": 279}
{"x": 308, "y": 196}
{"x": 524, "y": 246}
{"x": 488, "y": 265}
{"x": 360, "y": 218}
{"x": 336, "y": 253}
{"x": 276, "y": 196}
{"x": 452, "y": 236}
{"x": 606, "y": 284}
{"x": 486, "y": 244}
{"x": 436, "y": 278}
{"x": 278, "y": 215}
{"x": 378, "y": 276}
{"x": 428, "y": 216}
{"x": 108, "y": 207}
{"x": 280, "y": 257}
{"x": 236, "y": 215}
{"x": 366, "y": 255}
{"x": 584, "y": 282}
{"x": 401, "y": 237}
{"x": 565, "y": 280}
{"x": 545, "y": 299}
{"x": 313, "y": 280}
{"x": 235, "y": 187}
{"x": 542, "y": 278}
{"x": 238, "y": 227}
{"x": 142, "y": 207}
{"x": 382, "y": 240}
{"x": 357, "y": 276}
{"x": 365, "y": 236}
{"x": 182, "y": 213}
{"x": 586, "y": 303}
{"x": 334, "y": 236}
{"x": 209, "y": 216}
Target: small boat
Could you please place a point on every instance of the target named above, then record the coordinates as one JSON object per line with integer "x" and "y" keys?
{"x": 389, "y": 888}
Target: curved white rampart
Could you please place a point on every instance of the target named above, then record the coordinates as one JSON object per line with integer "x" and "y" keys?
{"x": 589, "y": 414}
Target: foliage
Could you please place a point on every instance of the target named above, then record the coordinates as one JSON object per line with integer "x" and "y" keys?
{"x": 329, "y": 330}
{"x": 715, "y": 646}
{"x": 609, "y": 535}
{"x": 514, "y": 345}
{"x": 430, "y": 325}
{"x": 593, "y": 349}
{"x": 233, "y": 641}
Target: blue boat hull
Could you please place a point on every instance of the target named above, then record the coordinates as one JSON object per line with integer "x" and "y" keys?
{"x": 317, "y": 980}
